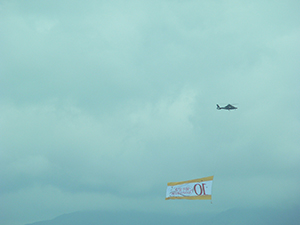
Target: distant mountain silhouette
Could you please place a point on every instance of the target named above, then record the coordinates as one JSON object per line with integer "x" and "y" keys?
{"x": 229, "y": 217}
{"x": 261, "y": 216}
{"x": 122, "y": 218}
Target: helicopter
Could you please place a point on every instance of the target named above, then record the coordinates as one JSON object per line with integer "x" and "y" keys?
{"x": 227, "y": 107}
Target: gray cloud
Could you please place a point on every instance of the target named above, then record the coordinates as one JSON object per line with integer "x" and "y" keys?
{"x": 103, "y": 103}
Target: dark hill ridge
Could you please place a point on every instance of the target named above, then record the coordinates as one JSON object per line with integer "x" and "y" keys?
{"x": 229, "y": 217}
{"x": 122, "y": 218}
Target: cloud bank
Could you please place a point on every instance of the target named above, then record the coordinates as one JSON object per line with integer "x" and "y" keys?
{"x": 103, "y": 103}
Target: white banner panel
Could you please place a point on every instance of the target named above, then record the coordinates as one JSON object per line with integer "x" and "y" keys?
{"x": 191, "y": 189}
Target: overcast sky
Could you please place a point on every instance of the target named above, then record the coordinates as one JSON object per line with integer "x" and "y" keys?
{"x": 104, "y": 102}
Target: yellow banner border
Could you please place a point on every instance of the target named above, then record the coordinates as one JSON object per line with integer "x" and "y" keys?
{"x": 191, "y": 181}
{"x": 202, "y": 197}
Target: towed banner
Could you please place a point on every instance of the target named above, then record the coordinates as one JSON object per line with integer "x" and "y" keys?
{"x": 197, "y": 189}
